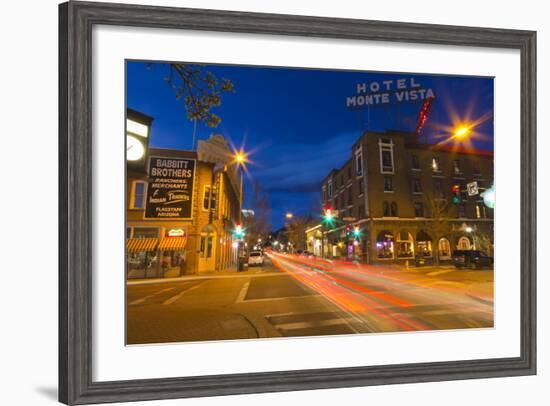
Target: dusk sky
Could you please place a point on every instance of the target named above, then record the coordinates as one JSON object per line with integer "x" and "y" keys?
{"x": 296, "y": 124}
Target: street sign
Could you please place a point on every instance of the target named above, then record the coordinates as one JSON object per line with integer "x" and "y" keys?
{"x": 472, "y": 188}
{"x": 350, "y": 219}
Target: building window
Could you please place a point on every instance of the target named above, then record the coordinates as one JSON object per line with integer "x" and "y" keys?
{"x": 359, "y": 162}
{"x": 138, "y": 195}
{"x": 386, "y": 209}
{"x": 388, "y": 184}
{"x": 437, "y": 188}
{"x": 457, "y": 170}
{"x": 361, "y": 211}
{"x": 209, "y": 199}
{"x": 414, "y": 162}
{"x": 461, "y": 211}
{"x": 480, "y": 210}
{"x": 417, "y": 186}
{"x": 476, "y": 169}
{"x": 341, "y": 180}
{"x": 393, "y": 209}
{"x": 444, "y": 248}
{"x": 464, "y": 244}
{"x": 329, "y": 189}
{"x": 384, "y": 245}
{"x": 324, "y": 194}
{"x": 418, "y": 209}
{"x": 386, "y": 155}
{"x": 361, "y": 187}
{"x": 404, "y": 245}
{"x": 436, "y": 164}
{"x": 350, "y": 196}
{"x": 423, "y": 244}
{"x": 349, "y": 172}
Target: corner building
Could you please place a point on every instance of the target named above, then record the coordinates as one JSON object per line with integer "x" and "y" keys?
{"x": 201, "y": 242}
{"x": 412, "y": 202}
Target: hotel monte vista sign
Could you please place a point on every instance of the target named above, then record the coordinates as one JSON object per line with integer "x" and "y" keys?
{"x": 170, "y": 189}
{"x": 384, "y": 92}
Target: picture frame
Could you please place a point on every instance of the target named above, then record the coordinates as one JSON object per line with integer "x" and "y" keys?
{"x": 76, "y": 20}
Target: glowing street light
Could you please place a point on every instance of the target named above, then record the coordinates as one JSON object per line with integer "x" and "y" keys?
{"x": 289, "y": 215}
{"x": 469, "y": 229}
{"x": 462, "y": 131}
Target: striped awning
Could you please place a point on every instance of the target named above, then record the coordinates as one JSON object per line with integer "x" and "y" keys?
{"x": 172, "y": 243}
{"x": 141, "y": 244}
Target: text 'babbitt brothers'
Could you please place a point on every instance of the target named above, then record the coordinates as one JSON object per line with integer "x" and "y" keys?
{"x": 386, "y": 91}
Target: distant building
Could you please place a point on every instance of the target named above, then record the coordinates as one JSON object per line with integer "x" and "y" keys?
{"x": 409, "y": 201}
{"x": 181, "y": 210}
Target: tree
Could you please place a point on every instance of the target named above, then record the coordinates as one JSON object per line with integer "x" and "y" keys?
{"x": 296, "y": 231}
{"x": 200, "y": 90}
{"x": 439, "y": 212}
{"x": 258, "y": 225}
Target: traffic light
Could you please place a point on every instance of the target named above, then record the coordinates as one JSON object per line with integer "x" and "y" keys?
{"x": 356, "y": 232}
{"x": 456, "y": 194}
{"x": 328, "y": 216}
{"x": 238, "y": 231}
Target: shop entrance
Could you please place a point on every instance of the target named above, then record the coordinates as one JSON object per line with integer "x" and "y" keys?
{"x": 207, "y": 250}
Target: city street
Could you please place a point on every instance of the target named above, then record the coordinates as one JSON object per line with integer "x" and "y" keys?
{"x": 294, "y": 295}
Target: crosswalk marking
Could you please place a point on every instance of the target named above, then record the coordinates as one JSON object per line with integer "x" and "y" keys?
{"x": 292, "y": 321}
{"x": 145, "y": 298}
{"x": 313, "y": 324}
{"x": 179, "y": 295}
{"x": 243, "y": 292}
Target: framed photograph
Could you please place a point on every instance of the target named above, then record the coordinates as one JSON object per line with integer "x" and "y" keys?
{"x": 259, "y": 203}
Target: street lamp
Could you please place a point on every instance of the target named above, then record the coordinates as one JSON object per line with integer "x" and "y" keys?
{"x": 462, "y": 131}
{"x": 289, "y": 216}
{"x": 240, "y": 157}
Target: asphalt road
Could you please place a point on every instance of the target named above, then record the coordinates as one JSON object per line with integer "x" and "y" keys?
{"x": 294, "y": 296}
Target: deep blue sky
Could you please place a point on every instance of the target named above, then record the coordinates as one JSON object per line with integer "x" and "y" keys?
{"x": 296, "y": 121}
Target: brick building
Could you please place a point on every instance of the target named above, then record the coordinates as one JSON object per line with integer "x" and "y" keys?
{"x": 202, "y": 240}
{"x": 409, "y": 201}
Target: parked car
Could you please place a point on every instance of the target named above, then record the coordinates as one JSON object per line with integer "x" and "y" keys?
{"x": 471, "y": 259}
{"x": 255, "y": 258}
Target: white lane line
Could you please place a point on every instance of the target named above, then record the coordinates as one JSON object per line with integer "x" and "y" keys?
{"x": 179, "y": 295}
{"x": 274, "y": 299}
{"x": 310, "y": 324}
{"x": 440, "y": 272}
{"x": 145, "y": 298}
{"x": 243, "y": 292}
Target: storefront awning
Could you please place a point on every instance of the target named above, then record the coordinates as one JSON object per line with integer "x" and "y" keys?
{"x": 141, "y": 244}
{"x": 172, "y": 243}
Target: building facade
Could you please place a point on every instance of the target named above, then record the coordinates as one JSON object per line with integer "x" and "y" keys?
{"x": 397, "y": 199}
{"x": 171, "y": 245}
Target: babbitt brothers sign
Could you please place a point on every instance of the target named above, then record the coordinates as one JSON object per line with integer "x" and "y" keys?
{"x": 388, "y": 91}
{"x": 170, "y": 190}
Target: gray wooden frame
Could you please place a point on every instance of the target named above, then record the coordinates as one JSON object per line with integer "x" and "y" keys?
{"x": 76, "y": 20}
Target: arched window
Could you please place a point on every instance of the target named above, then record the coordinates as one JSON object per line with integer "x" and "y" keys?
{"x": 393, "y": 209}
{"x": 423, "y": 244}
{"x": 464, "y": 244}
{"x": 386, "y": 209}
{"x": 384, "y": 245}
{"x": 405, "y": 245}
{"x": 444, "y": 248}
